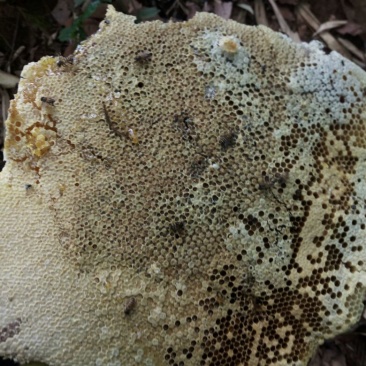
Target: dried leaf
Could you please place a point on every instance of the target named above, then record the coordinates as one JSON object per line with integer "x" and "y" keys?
{"x": 246, "y": 7}
{"x": 260, "y": 13}
{"x": 288, "y": 2}
{"x": 8, "y": 80}
{"x": 329, "y": 25}
{"x": 134, "y": 6}
{"x": 287, "y": 13}
{"x": 192, "y": 9}
{"x": 223, "y": 9}
{"x": 129, "y": 6}
{"x": 62, "y": 12}
{"x": 240, "y": 15}
{"x": 359, "y": 7}
{"x": 352, "y": 48}
{"x": 303, "y": 10}
{"x": 353, "y": 346}
{"x": 283, "y": 24}
{"x": 207, "y": 7}
{"x": 358, "y": 62}
{"x": 329, "y": 354}
{"x": 316, "y": 360}
{"x": 100, "y": 12}
{"x": 354, "y": 29}
{"x": 90, "y": 26}
{"x": 5, "y": 102}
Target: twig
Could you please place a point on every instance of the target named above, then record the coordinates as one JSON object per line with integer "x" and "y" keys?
{"x": 223, "y": 9}
{"x": 304, "y": 11}
{"x": 260, "y": 13}
{"x": 13, "y": 44}
{"x": 283, "y": 24}
{"x": 19, "y": 50}
{"x": 5, "y": 102}
{"x": 352, "y": 48}
{"x": 85, "y": 5}
{"x": 172, "y": 7}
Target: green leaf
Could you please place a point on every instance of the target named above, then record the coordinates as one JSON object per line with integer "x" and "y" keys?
{"x": 65, "y": 34}
{"x": 146, "y": 13}
{"x": 92, "y": 7}
{"x": 76, "y": 31}
{"x": 78, "y": 3}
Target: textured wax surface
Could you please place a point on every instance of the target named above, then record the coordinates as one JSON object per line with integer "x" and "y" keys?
{"x": 184, "y": 194}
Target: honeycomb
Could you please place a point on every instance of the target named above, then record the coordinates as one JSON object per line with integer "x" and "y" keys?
{"x": 185, "y": 194}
